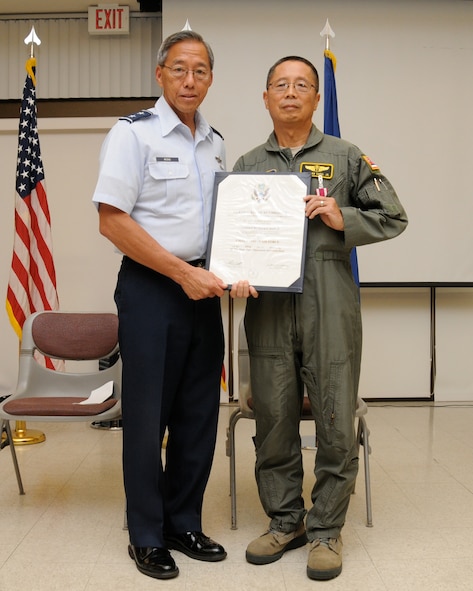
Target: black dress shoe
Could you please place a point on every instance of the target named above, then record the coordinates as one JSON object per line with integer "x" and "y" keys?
{"x": 196, "y": 545}
{"x": 154, "y": 562}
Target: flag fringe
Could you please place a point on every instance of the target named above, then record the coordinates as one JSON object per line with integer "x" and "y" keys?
{"x": 331, "y": 57}
{"x": 13, "y": 320}
{"x": 30, "y": 64}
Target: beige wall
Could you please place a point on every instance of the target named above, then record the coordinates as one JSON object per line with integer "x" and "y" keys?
{"x": 247, "y": 37}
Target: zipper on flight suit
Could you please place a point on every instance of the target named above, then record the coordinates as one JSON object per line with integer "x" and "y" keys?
{"x": 292, "y": 161}
{"x": 291, "y": 168}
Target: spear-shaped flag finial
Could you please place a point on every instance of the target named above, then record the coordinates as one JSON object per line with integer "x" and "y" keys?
{"x": 32, "y": 39}
{"x": 187, "y": 26}
{"x": 327, "y": 32}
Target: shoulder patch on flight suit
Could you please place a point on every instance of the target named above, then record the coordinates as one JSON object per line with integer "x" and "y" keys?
{"x": 370, "y": 163}
{"x": 323, "y": 169}
{"x": 136, "y": 116}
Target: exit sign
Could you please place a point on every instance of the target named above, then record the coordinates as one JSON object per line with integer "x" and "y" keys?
{"x": 109, "y": 19}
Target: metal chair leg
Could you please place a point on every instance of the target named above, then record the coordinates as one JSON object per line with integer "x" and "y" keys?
{"x": 9, "y": 441}
{"x": 234, "y": 418}
{"x": 363, "y": 438}
{"x": 125, "y": 520}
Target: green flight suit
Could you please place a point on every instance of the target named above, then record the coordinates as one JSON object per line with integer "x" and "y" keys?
{"x": 313, "y": 339}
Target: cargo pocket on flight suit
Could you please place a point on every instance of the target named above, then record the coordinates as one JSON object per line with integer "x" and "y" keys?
{"x": 329, "y": 417}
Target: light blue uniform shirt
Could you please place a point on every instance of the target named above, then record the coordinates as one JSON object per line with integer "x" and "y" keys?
{"x": 163, "y": 177}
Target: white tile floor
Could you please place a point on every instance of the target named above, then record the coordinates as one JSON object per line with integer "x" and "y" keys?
{"x": 67, "y": 531}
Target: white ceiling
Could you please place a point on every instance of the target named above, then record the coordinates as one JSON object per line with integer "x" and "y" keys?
{"x": 57, "y": 6}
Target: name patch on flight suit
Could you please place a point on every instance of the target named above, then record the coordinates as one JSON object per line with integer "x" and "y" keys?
{"x": 318, "y": 169}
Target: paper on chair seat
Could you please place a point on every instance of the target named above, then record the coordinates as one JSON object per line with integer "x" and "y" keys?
{"x": 99, "y": 395}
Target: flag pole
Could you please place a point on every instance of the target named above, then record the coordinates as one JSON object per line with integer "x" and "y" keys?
{"x": 327, "y": 32}
{"x": 331, "y": 123}
{"x": 31, "y": 39}
{"x": 21, "y": 435}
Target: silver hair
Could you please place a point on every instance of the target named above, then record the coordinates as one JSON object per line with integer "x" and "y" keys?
{"x": 177, "y": 38}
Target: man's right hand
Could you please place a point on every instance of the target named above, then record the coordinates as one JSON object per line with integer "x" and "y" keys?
{"x": 199, "y": 284}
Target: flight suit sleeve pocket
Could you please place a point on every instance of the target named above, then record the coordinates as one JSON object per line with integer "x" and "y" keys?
{"x": 379, "y": 194}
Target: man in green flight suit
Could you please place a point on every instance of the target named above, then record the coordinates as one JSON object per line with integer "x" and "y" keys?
{"x": 312, "y": 340}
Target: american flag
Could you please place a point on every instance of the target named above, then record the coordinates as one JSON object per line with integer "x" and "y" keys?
{"x": 32, "y": 283}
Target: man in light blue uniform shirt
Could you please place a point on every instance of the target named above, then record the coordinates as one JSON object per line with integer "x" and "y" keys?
{"x": 154, "y": 195}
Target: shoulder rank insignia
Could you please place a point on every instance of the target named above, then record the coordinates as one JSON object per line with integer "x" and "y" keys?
{"x": 318, "y": 169}
{"x": 216, "y": 131}
{"x": 370, "y": 163}
{"x": 136, "y": 116}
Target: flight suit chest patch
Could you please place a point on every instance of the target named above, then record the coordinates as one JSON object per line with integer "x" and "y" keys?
{"x": 318, "y": 169}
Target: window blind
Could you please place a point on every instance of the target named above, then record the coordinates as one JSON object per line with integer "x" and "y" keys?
{"x": 73, "y": 64}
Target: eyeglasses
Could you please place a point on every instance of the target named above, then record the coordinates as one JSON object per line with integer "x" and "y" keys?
{"x": 300, "y": 86}
{"x": 179, "y": 72}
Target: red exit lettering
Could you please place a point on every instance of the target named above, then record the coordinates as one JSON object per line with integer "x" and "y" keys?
{"x": 108, "y": 18}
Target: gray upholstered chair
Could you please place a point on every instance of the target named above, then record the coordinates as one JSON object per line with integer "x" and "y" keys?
{"x": 44, "y": 394}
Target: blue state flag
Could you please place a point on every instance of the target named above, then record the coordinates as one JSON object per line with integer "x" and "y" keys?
{"x": 332, "y": 126}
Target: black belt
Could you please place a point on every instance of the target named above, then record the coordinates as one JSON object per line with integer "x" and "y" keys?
{"x": 197, "y": 263}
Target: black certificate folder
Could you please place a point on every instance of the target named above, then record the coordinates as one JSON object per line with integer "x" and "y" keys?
{"x": 258, "y": 229}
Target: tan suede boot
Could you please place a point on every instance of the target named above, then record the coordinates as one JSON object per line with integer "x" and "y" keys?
{"x": 271, "y": 546}
{"x": 325, "y": 559}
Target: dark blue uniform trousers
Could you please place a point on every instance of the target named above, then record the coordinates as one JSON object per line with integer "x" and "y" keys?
{"x": 172, "y": 353}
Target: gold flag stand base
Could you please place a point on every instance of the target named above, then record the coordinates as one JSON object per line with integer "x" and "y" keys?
{"x": 23, "y": 436}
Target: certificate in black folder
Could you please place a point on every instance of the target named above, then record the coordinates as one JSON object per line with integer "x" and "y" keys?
{"x": 258, "y": 229}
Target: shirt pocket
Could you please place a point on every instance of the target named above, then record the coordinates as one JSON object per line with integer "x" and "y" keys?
{"x": 168, "y": 180}
{"x": 168, "y": 169}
